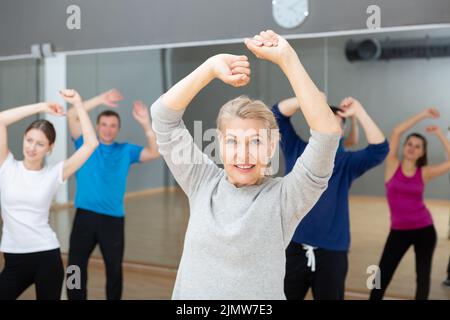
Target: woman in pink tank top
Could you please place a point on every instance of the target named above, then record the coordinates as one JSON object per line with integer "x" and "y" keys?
{"x": 411, "y": 221}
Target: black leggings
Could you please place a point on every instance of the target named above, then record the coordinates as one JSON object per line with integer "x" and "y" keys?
{"x": 44, "y": 269}
{"x": 448, "y": 269}
{"x": 327, "y": 282}
{"x": 398, "y": 242}
{"x": 89, "y": 229}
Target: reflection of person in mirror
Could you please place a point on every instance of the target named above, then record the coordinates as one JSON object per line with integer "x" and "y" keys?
{"x": 411, "y": 221}
{"x": 101, "y": 186}
{"x": 30, "y": 246}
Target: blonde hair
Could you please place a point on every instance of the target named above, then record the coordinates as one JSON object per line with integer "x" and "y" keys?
{"x": 245, "y": 108}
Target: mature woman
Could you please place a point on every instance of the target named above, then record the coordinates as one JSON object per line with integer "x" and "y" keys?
{"x": 240, "y": 219}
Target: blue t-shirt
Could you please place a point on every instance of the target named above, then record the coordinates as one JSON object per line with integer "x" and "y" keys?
{"x": 327, "y": 225}
{"x": 101, "y": 181}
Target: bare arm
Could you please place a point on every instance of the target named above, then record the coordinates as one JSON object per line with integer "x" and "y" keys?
{"x": 289, "y": 107}
{"x": 141, "y": 114}
{"x": 392, "y": 159}
{"x": 353, "y": 136}
{"x": 108, "y": 98}
{"x": 233, "y": 70}
{"x": 353, "y": 108}
{"x": 13, "y": 115}
{"x": 434, "y": 171}
{"x": 90, "y": 142}
{"x": 401, "y": 128}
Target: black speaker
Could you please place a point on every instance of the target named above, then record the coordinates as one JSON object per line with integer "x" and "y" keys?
{"x": 372, "y": 49}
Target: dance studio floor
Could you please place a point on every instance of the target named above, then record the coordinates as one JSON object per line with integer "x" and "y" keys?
{"x": 156, "y": 223}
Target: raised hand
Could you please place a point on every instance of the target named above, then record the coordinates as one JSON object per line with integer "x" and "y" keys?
{"x": 110, "y": 98}
{"x": 71, "y": 96}
{"x": 350, "y": 107}
{"x": 434, "y": 129}
{"x": 141, "y": 113}
{"x": 231, "y": 69}
{"x": 432, "y": 113}
{"x": 52, "y": 108}
{"x": 269, "y": 46}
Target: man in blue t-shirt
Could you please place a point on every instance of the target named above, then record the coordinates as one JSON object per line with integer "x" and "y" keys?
{"x": 317, "y": 258}
{"x": 101, "y": 186}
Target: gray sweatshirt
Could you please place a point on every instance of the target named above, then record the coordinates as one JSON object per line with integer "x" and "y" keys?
{"x": 236, "y": 238}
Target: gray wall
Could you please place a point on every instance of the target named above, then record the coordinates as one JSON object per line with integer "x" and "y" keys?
{"x": 18, "y": 86}
{"x": 117, "y": 23}
{"x": 138, "y": 76}
{"x": 390, "y": 91}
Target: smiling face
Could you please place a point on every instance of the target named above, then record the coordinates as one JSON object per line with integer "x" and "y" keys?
{"x": 108, "y": 128}
{"x": 246, "y": 149}
{"x": 35, "y": 146}
{"x": 248, "y": 137}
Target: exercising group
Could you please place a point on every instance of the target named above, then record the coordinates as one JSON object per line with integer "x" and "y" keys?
{"x": 250, "y": 235}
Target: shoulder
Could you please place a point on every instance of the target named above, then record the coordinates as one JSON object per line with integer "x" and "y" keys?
{"x": 8, "y": 162}
{"x": 55, "y": 168}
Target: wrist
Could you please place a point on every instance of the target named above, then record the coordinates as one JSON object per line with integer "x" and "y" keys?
{"x": 208, "y": 69}
{"x": 439, "y": 133}
{"x": 146, "y": 126}
{"x": 41, "y": 107}
{"x": 288, "y": 59}
{"x": 149, "y": 133}
{"x": 360, "y": 113}
{"x": 424, "y": 114}
{"x": 78, "y": 104}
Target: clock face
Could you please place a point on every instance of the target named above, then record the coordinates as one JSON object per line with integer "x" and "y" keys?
{"x": 290, "y": 13}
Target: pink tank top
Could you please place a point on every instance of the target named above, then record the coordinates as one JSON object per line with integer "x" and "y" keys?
{"x": 405, "y": 198}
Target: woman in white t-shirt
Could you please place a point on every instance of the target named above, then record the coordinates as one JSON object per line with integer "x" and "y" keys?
{"x": 29, "y": 245}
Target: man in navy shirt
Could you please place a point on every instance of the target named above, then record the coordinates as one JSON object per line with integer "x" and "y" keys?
{"x": 101, "y": 186}
{"x": 317, "y": 258}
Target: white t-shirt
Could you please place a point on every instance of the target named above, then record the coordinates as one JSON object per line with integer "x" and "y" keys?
{"x": 26, "y": 197}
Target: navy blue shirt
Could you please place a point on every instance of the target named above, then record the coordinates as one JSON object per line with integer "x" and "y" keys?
{"x": 327, "y": 225}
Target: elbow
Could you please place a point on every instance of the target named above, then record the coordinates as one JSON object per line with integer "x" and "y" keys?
{"x": 335, "y": 126}
{"x": 92, "y": 144}
{"x": 329, "y": 127}
{"x": 337, "y": 129}
{"x": 396, "y": 131}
